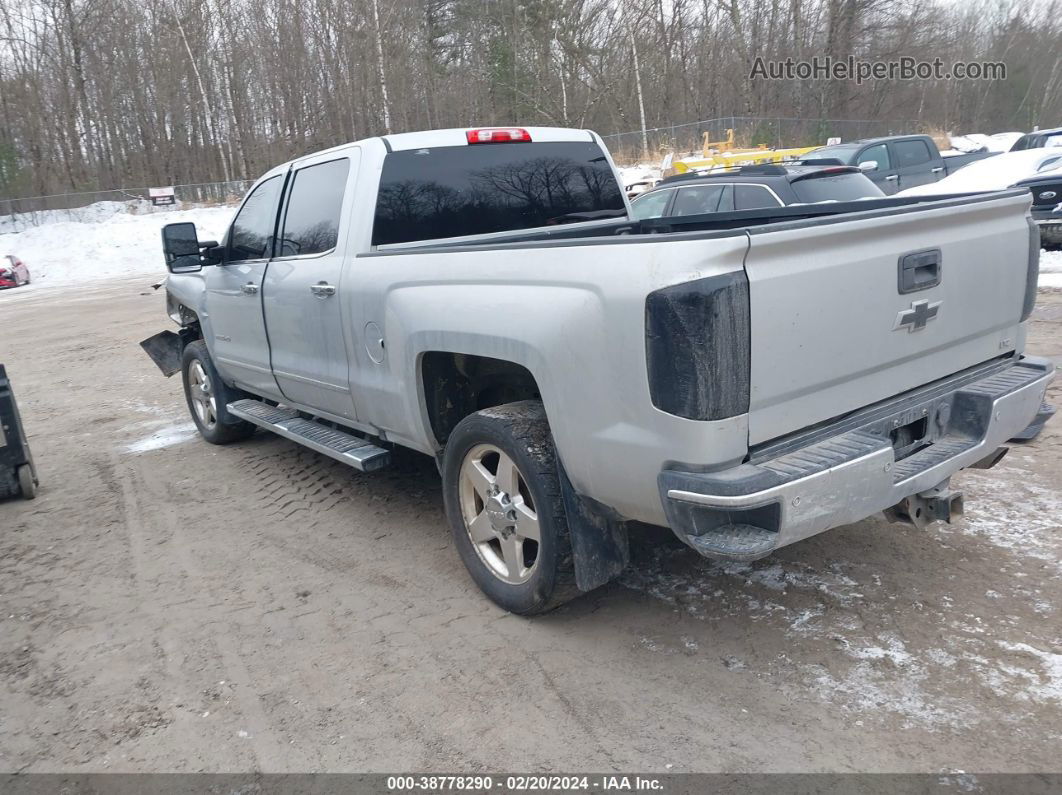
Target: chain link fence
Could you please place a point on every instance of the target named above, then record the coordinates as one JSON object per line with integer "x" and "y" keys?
{"x": 627, "y": 148}
{"x": 17, "y": 214}
{"x": 776, "y": 132}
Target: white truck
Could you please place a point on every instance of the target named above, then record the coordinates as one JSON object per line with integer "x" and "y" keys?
{"x": 482, "y": 296}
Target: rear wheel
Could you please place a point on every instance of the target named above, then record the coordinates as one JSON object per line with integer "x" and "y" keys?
{"x": 26, "y": 482}
{"x": 208, "y": 396}
{"x": 503, "y": 502}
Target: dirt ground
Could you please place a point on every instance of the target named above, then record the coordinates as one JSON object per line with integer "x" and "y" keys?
{"x": 166, "y": 605}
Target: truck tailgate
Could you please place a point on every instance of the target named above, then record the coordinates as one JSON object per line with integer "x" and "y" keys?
{"x": 831, "y": 329}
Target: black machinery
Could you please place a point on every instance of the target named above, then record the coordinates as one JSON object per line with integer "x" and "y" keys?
{"x": 17, "y": 473}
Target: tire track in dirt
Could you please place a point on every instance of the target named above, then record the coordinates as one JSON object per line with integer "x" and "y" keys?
{"x": 163, "y": 530}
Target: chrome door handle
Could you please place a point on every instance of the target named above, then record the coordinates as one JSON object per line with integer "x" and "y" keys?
{"x": 892, "y": 176}
{"x": 322, "y": 289}
{"x": 249, "y": 289}
{"x": 937, "y": 170}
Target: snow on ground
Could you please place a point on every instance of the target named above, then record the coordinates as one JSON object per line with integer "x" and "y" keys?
{"x": 107, "y": 243}
{"x": 1051, "y": 269}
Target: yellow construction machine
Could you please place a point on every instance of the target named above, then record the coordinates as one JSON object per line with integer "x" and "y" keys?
{"x": 722, "y": 154}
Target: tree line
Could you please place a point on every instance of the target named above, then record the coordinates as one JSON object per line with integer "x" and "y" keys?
{"x": 98, "y": 94}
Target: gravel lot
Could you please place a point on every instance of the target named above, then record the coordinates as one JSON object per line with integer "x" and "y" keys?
{"x": 167, "y": 605}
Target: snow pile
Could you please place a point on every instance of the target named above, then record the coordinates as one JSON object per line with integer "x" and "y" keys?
{"x": 109, "y": 244}
{"x": 93, "y": 213}
{"x": 633, "y": 175}
{"x": 1051, "y": 269}
{"x": 994, "y": 173}
{"x": 976, "y": 142}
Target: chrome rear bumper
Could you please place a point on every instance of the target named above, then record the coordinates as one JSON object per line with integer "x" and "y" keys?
{"x": 827, "y": 477}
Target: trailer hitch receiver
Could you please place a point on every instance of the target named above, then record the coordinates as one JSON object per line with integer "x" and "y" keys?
{"x": 939, "y": 504}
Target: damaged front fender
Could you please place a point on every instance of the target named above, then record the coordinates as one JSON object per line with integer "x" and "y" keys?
{"x": 165, "y": 349}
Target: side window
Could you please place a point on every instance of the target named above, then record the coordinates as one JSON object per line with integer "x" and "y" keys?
{"x": 753, "y": 197}
{"x": 651, "y": 205}
{"x": 697, "y": 199}
{"x": 879, "y": 154}
{"x": 311, "y": 218}
{"x": 251, "y": 236}
{"x": 911, "y": 153}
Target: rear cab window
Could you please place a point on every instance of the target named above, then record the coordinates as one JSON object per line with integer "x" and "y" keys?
{"x": 836, "y": 187}
{"x": 454, "y": 191}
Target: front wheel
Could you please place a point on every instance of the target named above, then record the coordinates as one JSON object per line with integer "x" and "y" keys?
{"x": 207, "y": 397}
{"x": 503, "y": 502}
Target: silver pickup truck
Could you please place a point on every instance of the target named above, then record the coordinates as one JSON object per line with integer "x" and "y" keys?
{"x": 747, "y": 379}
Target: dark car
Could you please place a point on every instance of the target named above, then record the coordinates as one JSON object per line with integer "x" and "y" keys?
{"x": 897, "y": 162}
{"x": 753, "y": 188}
{"x": 1046, "y": 207}
{"x": 13, "y": 271}
{"x": 1038, "y": 140}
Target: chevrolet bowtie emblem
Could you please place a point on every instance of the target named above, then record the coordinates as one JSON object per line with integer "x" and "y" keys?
{"x": 915, "y": 318}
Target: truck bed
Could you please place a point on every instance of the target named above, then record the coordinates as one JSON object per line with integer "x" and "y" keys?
{"x": 831, "y": 212}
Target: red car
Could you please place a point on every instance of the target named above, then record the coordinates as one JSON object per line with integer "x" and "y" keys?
{"x": 13, "y": 271}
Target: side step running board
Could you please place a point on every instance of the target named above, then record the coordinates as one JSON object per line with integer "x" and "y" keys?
{"x": 352, "y": 450}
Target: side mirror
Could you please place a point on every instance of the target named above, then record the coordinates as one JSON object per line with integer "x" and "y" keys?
{"x": 211, "y": 252}
{"x": 868, "y": 165}
{"x": 180, "y": 245}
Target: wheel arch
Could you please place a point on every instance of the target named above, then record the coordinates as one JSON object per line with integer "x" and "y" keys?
{"x": 453, "y": 385}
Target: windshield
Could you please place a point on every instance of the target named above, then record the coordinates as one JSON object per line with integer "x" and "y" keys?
{"x": 838, "y": 188}
{"x": 451, "y": 191}
{"x": 842, "y": 153}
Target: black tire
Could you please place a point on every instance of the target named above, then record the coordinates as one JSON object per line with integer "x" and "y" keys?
{"x": 225, "y": 429}
{"x": 27, "y": 484}
{"x": 521, "y": 431}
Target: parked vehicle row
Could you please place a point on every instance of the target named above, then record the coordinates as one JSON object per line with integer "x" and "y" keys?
{"x": 896, "y": 162}
{"x": 1037, "y": 170}
{"x": 484, "y": 296}
{"x": 1039, "y": 139}
{"x": 753, "y": 188}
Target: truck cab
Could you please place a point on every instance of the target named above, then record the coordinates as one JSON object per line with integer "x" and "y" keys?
{"x": 896, "y": 162}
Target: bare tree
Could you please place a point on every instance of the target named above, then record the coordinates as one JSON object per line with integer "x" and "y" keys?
{"x": 111, "y": 93}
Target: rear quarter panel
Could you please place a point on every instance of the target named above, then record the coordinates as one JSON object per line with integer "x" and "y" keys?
{"x": 574, "y": 315}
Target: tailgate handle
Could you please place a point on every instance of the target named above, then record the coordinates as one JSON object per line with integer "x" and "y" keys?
{"x": 919, "y": 271}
